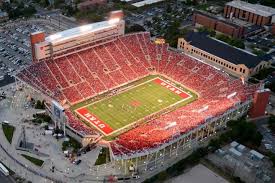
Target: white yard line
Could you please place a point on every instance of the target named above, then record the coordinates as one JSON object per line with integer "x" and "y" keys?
{"x": 122, "y": 91}
{"x": 133, "y": 123}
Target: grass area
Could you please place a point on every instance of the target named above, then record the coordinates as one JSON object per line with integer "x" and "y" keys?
{"x": 72, "y": 143}
{"x": 258, "y": 52}
{"x": 262, "y": 74}
{"x": 231, "y": 41}
{"x": 136, "y": 103}
{"x": 37, "y": 162}
{"x": 103, "y": 157}
{"x": 8, "y": 131}
{"x": 253, "y": 80}
{"x": 98, "y": 97}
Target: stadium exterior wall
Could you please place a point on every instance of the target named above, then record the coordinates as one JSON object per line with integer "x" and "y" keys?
{"x": 18, "y": 80}
{"x": 84, "y": 140}
{"x": 181, "y": 146}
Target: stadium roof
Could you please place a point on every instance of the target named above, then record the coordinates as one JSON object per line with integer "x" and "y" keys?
{"x": 75, "y": 32}
{"x": 145, "y": 2}
{"x": 253, "y": 8}
{"x": 222, "y": 50}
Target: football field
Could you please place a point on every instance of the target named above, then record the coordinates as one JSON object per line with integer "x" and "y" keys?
{"x": 113, "y": 113}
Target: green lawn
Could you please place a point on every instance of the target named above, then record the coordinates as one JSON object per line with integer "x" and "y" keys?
{"x": 8, "y": 131}
{"x": 93, "y": 99}
{"x": 136, "y": 103}
{"x": 103, "y": 157}
{"x": 35, "y": 161}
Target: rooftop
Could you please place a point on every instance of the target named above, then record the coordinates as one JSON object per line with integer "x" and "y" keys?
{"x": 222, "y": 50}
{"x": 219, "y": 18}
{"x": 3, "y": 14}
{"x": 253, "y": 8}
{"x": 145, "y": 2}
{"x": 81, "y": 30}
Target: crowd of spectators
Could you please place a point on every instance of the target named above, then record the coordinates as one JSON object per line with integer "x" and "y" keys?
{"x": 85, "y": 74}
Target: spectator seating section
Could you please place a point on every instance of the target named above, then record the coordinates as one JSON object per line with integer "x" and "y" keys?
{"x": 82, "y": 75}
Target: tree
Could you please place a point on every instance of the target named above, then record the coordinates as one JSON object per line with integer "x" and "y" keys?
{"x": 238, "y": 180}
{"x": 19, "y": 11}
{"x": 209, "y": 31}
{"x": 272, "y": 158}
{"x": 244, "y": 132}
{"x": 162, "y": 176}
{"x": 190, "y": 2}
{"x": 38, "y": 104}
{"x": 237, "y": 43}
{"x": 69, "y": 10}
{"x": 29, "y": 11}
{"x": 134, "y": 28}
{"x": 231, "y": 41}
{"x": 215, "y": 144}
{"x": 168, "y": 8}
{"x": 271, "y": 124}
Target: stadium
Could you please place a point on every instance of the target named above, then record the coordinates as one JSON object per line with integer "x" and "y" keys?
{"x": 144, "y": 100}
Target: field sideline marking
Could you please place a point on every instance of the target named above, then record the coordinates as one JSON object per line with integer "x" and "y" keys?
{"x": 128, "y": 88}
{"x": 94, "y": 119}
{"x": 134, "y": 122}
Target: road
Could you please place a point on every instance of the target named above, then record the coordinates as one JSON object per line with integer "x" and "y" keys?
{"x": 56, "y": 17}
{"x": 267, "y": 136}
{"x": 5, "y": 179}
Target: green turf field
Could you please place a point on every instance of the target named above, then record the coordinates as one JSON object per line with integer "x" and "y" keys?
{"x": 136, "y": 103}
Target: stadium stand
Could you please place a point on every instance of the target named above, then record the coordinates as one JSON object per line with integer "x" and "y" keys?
{"x": 85, "y": 74}
{"x": 77, "y": 125}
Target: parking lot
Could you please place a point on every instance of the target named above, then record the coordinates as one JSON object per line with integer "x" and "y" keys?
{"x": 260, "y": 44}
{"x": 15, "y": 48}
{"x": 147, "y": 18}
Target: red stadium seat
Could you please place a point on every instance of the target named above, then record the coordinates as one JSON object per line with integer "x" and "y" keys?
{"x": 82, "y": 75}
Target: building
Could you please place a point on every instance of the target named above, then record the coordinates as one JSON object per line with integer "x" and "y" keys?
{"x": 64, "y": 42}
{"x": 232, "y": 60}
{"x": 86, "y": 5}
{"x": 253, "y": 13}
{"x": 3, "y": 16}
{"x": 260, "y": 101}
{"x": 218, "y": 24}
{"x": 4, "y": 1}
{"x": 141, "y": 3}
{"x": 273, "y": 29}
{"x": 87, "y": 68}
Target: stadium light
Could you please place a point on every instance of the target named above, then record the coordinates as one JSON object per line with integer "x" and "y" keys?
{"x": 54, "y": 36}
{"x": 113, "y": 20}
{"x": 84, "y": 28}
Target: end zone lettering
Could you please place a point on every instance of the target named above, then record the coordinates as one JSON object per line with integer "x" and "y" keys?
{"x": 95, "y": 121}
{"x": 170, "y": 87}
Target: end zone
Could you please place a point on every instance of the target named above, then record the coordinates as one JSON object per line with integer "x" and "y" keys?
{"x": 95, "y": 121}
